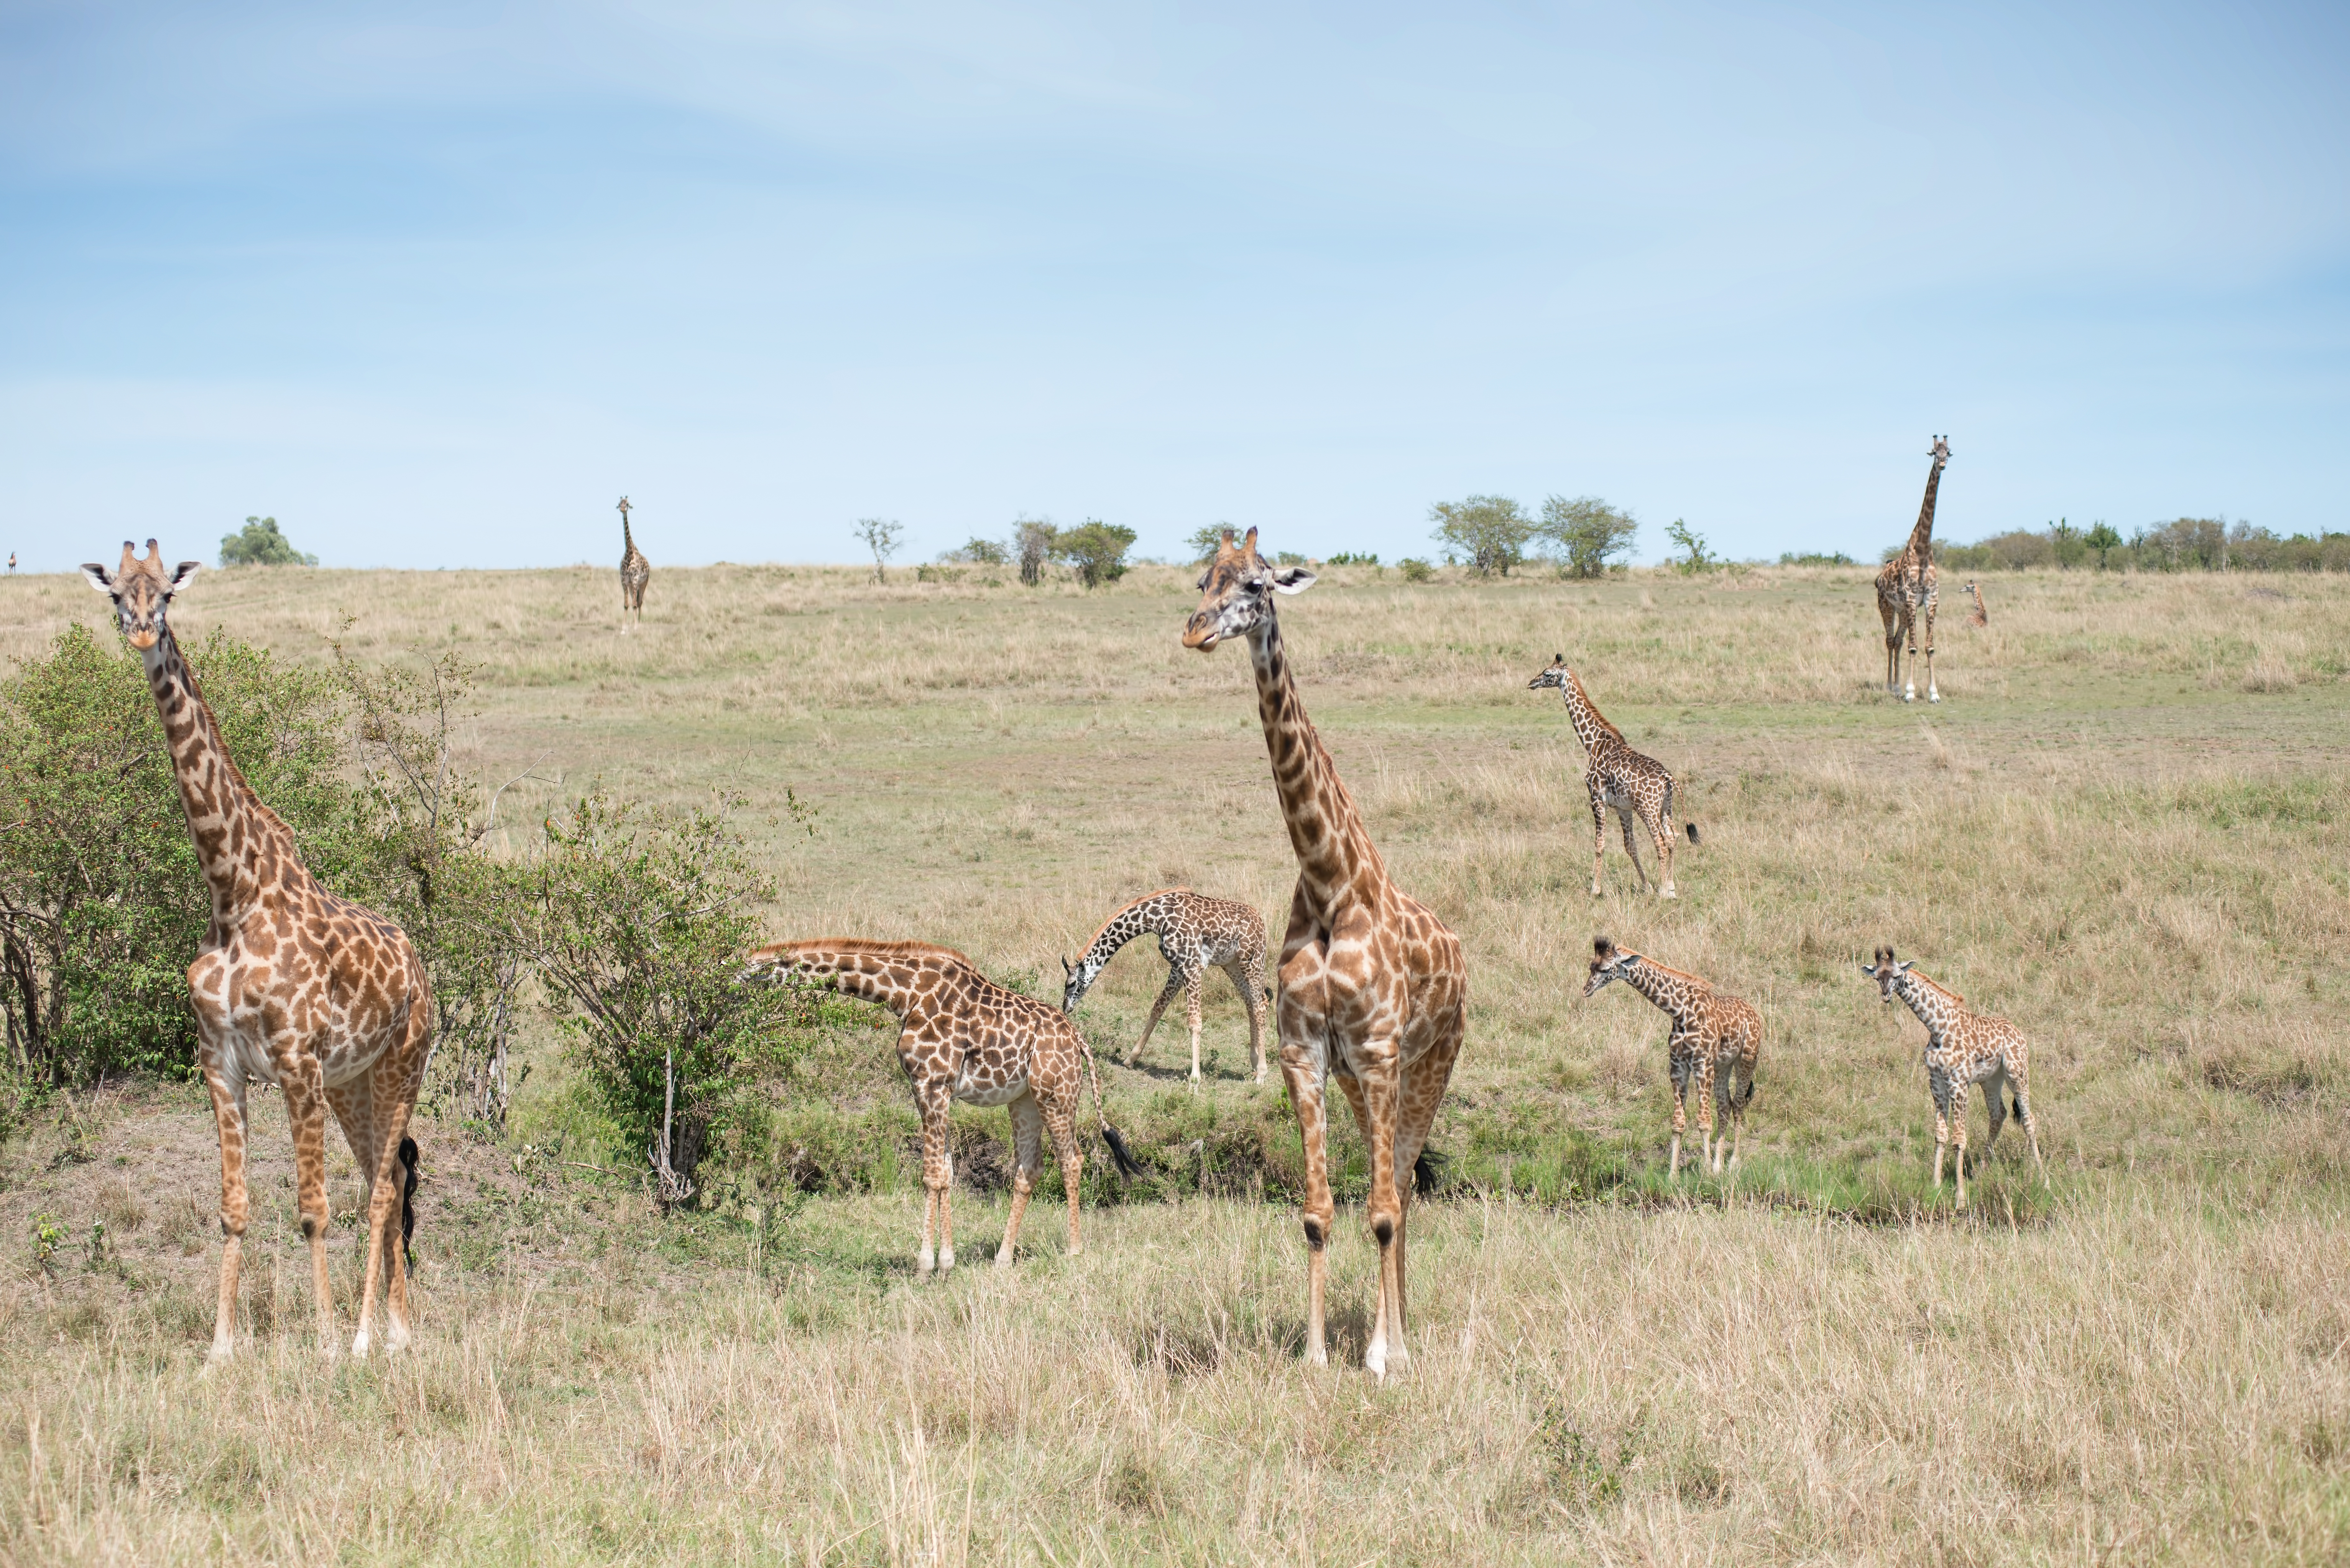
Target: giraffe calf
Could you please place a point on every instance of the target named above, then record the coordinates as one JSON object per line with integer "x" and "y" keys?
{"x": 1962, "y": 1048}
{"x": 1713, "y": 1034}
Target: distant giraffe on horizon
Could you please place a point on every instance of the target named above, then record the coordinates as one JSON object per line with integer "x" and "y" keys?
{"x": 1196, "y": 933}
{"x": 1617, "y": 777}
{"x": 635, "y": 571}
{"x": 1906, "y": 588}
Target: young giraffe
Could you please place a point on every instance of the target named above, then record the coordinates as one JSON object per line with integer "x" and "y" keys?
{"x": 635, "y": 571}
{"x": 1906, "y": 589}
{"x": 966, "y": 1038}
{"x": 1712, "y": 1033}
{"x": 1372, "y": 985}
{"x": 291, "y": 985}
{"x": 1619, "y": 777}
{"x": 1195, "y": 933}
{"x": 1962, "y": 1048}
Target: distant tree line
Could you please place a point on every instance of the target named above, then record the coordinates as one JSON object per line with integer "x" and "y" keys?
{"x": 1495, "y": 535}
{"x": 2181, "y": 545}
{"x": 1094, "y": 551}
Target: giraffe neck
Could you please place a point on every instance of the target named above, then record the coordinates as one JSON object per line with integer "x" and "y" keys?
{"x": 889, "y": 973}
{"x": 1144, "y": 919}
{"x": 233, "y": 831}
{"x": 1934, "y": 1010}
{"x": 1670, "y": 990}
{"x": 1922, "y": 537}
{"x": 1590, "y": 726}
{"x": 1334, "y": 853}
{"x": 627, "y": 540}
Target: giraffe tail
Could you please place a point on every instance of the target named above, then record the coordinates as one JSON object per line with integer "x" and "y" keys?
{"x": 1747, "y": 1097}
{"x": 1126, "y": 1164}
{"x": 408, "y": 1155}
{"x": 1690, "y": 828}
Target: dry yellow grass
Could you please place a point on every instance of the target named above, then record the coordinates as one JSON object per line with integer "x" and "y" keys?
{"x": 2124, "y": 830}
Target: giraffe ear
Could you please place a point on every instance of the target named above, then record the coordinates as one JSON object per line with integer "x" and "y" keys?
{"x": 184, "y": 574}
{"x": 1905, "y": 964}
{"x": 1295, "y": 580}
{"x": 94, "y": 575}
{"x": 1066, "y": 967}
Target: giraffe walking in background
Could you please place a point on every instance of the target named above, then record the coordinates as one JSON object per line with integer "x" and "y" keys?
{"x": 1373, "y": 987}
{"x": 1711, "y": 1051}
{"x": 1195, "y": 934}
{"x": 635, "y": 571}
{"x": 1618, "y": 778}
{"x": 1906, "y": 590}
{"x": 291, "y": 985}
{"x": 1962, "y": 1048}
{"x": 967, "y": 1038}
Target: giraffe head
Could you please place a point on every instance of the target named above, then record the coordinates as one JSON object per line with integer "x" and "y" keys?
{"x": 1608, "y": 962}
{"x": 1940, "y": 451}
{"x": 1554, "y": 675}
{"x": 1077, "y": 979}
{"x": 1236, "y": 593}
{"x": 1884, "y": 972}
{"x": 141, "y": 590}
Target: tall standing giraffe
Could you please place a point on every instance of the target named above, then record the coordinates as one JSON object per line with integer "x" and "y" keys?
{"x": 1962, "y": 1048}
{"x": 1906, "y": 589}
{"x": 1617, "y": 777}
{"x": 967, "y": 1038}
{"x": 635, "y": 571}
{"x": 291, "y": 985}
{"x": 1713, "y": 1034}
{"x": 1372, "y": 985}
{"x": 1196, "y": 933}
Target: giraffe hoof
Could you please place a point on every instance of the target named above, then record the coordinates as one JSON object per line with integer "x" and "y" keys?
{"x": 358, "y": 1347}
{"x": 946, "y": 1259}
{"x": 1003, "y": 1259}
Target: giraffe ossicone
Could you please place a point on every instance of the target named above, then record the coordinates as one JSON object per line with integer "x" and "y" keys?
{"x": 964, "y": 1037}
{"x": 291, "y": 985}
{"x": 1962, "y": 1049}
{"x": 1619, "y": 779}
{"x": 1372, "y": 986}
{"x": 1196, "y": 933}
{"x": 1713, "y": 1045}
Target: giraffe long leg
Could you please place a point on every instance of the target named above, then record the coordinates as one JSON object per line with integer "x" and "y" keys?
{"x": 1885, "y": 612}
{"x": 1423, "y": 1092}
{"x": 1703, "y": 1089}
{"x": 1598, "y": 830}
{"x": 1375, "y": 1092}
{"x": 1994, "y": 1092}
{"x": 1177, "y": 977}
{"x": 1680, "y": 1076}
{"x": 228, "y": 1115}
{"x": 1940, "y": 1086}
{"x": 1302, "y": 1073}
{"x": 1933, "y": 692}
{"x": 1061, "y": 1126}
{"x": 305, "y": 1114}
{"x": 387, "y": 1124}
{"x": 1631, "y": 844}
{"x": 1660, "y": 827}
{"x": 1958, "y": 1135}
{"x": 1195, "y": 981}
{"x": 1028, "y": 1158}
{"x": 932, "y": 1098}
{"x": 1248, "y": 978}
{"x": 2021, "y": 1074}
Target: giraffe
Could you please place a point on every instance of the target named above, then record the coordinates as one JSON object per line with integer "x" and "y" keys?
{"x": 1372, "y": 984}
{"x": 1195, "y": 934}
{"x": 1980, "y": 617}
{"x": 291, "y": 985}
{"x": 1617, "y": 777}
{"x": 966, "y": 1038}
{"x": 1962, "y": 1048}
{"x": 635, "y": 571}
{"x": 1906, "y": 588}
{"x": 1712, "y": 1033}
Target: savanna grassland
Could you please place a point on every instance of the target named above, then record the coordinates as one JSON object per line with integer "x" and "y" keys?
{"x": 2125, "y": 828}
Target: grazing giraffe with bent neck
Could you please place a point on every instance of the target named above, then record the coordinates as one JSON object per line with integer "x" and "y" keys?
{"x": 1196, "y": 933}
{"x": 291, "y": 985}
{"x": 1372, "y": 984}
{"x": 1962, "y": 1048}
{"x": 1906, "y": 588}
{"x": 1712, "y": 1033}
{"x": 635, "y": 571}
{"x": 967, "y": 1038}
{"x": 1617, "y": 777}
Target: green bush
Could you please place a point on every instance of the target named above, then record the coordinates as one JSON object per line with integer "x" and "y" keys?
{"x": 259, "y": 544}
{"x": 1415, "y": 570}
{"x": 1095, "y": 550}
{"x": 1588, "y": 532}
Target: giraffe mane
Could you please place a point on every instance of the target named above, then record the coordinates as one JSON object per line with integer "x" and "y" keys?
{"x": 1935, "y": 986}
{"x": 1600, "y": 717}
{"x": 1119, "y": 913}
{"x": 1695, "y": 979}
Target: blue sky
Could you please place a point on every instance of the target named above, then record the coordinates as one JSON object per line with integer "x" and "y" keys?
{"x": 434, "y": 284}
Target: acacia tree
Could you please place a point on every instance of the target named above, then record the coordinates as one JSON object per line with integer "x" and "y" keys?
{"x": 260, "y": 543}
{"x": 1588, "y": 532}
{"x": 880, "y": 535}
{"x": 1033, "y": 538}
{"x": 1490, "y": 531}
{"x": 1095, "y": 550}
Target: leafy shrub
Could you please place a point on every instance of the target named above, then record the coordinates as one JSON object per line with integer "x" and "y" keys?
{"x": 977, "y": 552}
{"x": 1815, "y": 558}
{"x": 1095, "y": 550}
{"x": 1033, "y": 540}
{"x": 1415, "y": 570}
{"x": 1588, "y": 532}
{"x": 1490, "y": 531}
{"x": 259, "y": 544}
{"x": 1695, "y": 556}
{"x": 1354, "y": 558}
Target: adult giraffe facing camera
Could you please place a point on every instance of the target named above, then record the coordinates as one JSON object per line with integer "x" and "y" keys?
{"x": 1906, "y": 589}
{"x": 291, "y": 985}
{"x": 1372, "y": 985}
